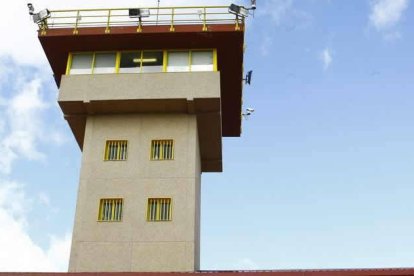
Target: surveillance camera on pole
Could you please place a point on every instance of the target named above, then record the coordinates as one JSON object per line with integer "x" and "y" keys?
{"x": 249, "y": 111}
{"x": 31, "y": 8}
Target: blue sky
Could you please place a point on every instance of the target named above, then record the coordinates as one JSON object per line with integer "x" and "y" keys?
{"x": 322, "y": 176}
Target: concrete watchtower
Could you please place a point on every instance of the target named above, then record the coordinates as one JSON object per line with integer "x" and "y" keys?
{"x": 148, "y": 94}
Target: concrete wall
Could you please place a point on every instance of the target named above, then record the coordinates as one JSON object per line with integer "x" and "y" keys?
{"x": 180, "y": 85}
{"x": 135, "y": 244}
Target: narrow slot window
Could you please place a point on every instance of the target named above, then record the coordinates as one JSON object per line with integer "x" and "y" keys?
{"x": 178, "y": 62}
{"x": 130, "y": 62}
{"x": 162, "y": 150}
{"x": 202, "y": 61}
{"x": 152, "y": 62}
{"x": 116, "y": 150}
{"x": 81, "y": 64}
{"x": 104, "y": 63}
{"x": 110, "y": 209}
{"x": 159, "y": 209}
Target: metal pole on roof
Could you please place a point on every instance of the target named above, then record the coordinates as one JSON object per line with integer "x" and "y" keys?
{"x": 158, "y": 10}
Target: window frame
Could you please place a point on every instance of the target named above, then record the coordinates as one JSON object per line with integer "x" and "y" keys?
{"x": 172, "y": 153}
{"x": 100, "y": 204}
{"x": 94, "y": 62}
{"x": 164, "y": 65}
{"x": 115, "y": 140}
{"x": 159, "y": 198}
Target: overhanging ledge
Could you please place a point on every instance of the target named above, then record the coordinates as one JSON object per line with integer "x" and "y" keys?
{"x": 189, "y": 93}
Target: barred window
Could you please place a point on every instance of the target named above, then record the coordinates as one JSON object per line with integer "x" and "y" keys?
{"x": 159, "y": 209}
{"x": 116, "y": 150}
{"x": 110, "y": 209}
{"x": 162, "y": 150}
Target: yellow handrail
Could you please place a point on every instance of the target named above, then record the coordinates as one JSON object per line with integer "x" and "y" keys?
{"x": 172, "y": 16}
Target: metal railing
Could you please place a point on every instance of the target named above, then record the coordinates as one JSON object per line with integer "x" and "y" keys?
{"x": 162, "y": 16}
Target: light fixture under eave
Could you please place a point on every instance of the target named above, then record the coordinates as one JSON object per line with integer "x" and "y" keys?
{"x": 238, "y": 10}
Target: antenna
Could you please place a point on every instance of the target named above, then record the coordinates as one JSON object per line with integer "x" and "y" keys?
{"x": 248, "y": 77}
{"x": 158, "y": 12}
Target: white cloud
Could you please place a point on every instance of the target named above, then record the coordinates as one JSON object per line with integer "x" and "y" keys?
{"x": 24, "y": 125}
{"x": 276, "y": 9}
{"x": 283, "y": 12}
{"x": 59, "y": 251}
{"x": 385, "y": 14}
{"x": 22, "y": 128}
{"x": 326, "y": 58}
{"x": 266, "y": 45}
{"x": 44, "y": 199}
{"x": 22, "y": 253}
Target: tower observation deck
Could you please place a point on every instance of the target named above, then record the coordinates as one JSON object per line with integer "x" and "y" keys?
{"x": 171, "y": 28}
{"x": 148, "y": 94}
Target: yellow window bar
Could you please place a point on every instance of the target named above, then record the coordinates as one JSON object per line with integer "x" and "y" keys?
{"x": 69, "y": 64}
{"x": 117, "y": 62}
{"x": 159, "y": 209}
{"x": 162, "y": 150}
{"x": 110, "y": 209}
{"x": 116, "y": 150}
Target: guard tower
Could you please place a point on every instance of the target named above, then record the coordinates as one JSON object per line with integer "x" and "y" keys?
{"x": 148, "y": 94}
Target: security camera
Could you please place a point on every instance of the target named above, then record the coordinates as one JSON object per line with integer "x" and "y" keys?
{"x": 253, "y": 5}
{"x": 250, "y": 110}
{"x": 31, "y": 8}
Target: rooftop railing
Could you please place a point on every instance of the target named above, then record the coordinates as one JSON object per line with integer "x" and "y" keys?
{"x": 160, "y": 16}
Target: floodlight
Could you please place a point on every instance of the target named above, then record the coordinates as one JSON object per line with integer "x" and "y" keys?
{"x": 238, "y": 10}
{"x": 41, "y": 16}
{"x": 31, "y": 8}
{"x": 139, "y": 13}
{"x": 248, "y": 77}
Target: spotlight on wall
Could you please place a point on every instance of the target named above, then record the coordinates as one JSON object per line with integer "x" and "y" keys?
{"x": 40, "y": 16}
{"x": 248, "y": 77}
{"x": 138, "y": 13}
{"x": 238, "y": 10}
{"x": 248, "y": 112}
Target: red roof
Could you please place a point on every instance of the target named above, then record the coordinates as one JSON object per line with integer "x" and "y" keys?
{"x": 309, "y": 272}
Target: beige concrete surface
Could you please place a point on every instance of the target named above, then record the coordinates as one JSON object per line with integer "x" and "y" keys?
{"x": 134, "y": 244}
{"x": 182, "y": 85}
